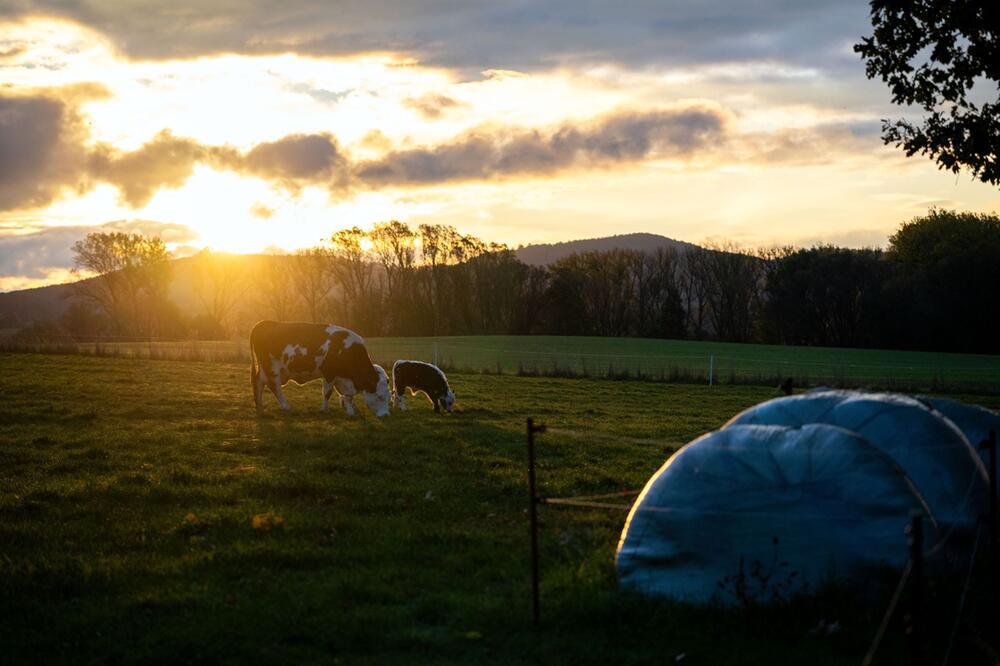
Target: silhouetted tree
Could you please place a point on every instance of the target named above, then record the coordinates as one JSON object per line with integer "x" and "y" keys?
{"x": 946, "y": 270}
{"x": 941, "y": 55}
{"x": 312, "y": 278}
{"x": 273, "y": 284}
{"x": 218, "y": 285}
{"x": 131, "y": 275}
{"x": 826, "y": 296}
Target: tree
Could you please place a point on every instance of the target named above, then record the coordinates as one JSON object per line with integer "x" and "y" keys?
{"x": 826, "y": 295}
{"x": 947, "y": 275}
{"x": 312, "y": 277}
{"x": 394, "y": 249}
{"x": 273, "y": 281}
{"x": 131, "y": 272}
{"x": 355, "y": 273}
{"x": 218, "y": 285}
{"x": 941, "y": 55}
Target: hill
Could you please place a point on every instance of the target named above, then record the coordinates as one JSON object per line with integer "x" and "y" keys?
{"x": 543, "y": 254}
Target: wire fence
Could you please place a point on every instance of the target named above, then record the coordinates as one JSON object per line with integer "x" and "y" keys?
{"x": 736, "y": 364}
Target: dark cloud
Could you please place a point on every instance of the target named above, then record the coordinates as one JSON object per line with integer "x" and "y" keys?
{"x": 431, "y": 105}
{"x": 475, "y": 36}
{"x": 41, "y": 151}
{"x": 296, "y": 159}
{"x": 36, "y": 254}
{"x": 45, "y": 150}
{"x": 487, "y": 154}
{"x": 166, "y": 161}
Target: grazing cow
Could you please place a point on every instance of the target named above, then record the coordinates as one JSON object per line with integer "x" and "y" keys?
{"x": 419, "y": 376}
{"x": 301, "y": 352}
{"x": 347, "y": 399}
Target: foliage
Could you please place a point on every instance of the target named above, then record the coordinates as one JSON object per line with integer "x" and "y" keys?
{"x": 944, "y": 57}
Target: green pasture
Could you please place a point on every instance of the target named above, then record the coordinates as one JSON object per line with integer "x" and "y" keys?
{"x": 662, "y": 360}
{"x": 147, "y": 514}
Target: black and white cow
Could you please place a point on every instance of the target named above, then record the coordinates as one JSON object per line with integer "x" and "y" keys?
{"x": 300, "y": 352}
{"x": 419, "y": 376}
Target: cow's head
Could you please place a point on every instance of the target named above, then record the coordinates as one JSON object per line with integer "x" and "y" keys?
{"x": 378, "y": 400}
{"x": 448, "y": 401}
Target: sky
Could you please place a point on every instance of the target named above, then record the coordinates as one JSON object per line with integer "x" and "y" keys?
{"x": 262, "y": 126}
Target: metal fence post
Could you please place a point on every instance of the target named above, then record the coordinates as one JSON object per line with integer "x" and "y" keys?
{"x": 914, "y": 619}
{"x": 436, "y": 355}
{"x": 711, "y": 368}
{"x": 533, "y": 518}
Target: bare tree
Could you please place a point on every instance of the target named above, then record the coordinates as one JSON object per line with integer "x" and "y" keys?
{"x": 218, "y": 285}
{"x": 274, "y": 287}
{"x": 312, "y": 276}
{"x": 355, "y": 273}
{"x": 131, "y": 278}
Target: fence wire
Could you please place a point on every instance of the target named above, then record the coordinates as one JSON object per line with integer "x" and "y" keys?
{"x": 845, "y": 367}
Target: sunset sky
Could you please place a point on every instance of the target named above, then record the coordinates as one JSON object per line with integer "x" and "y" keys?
{"x": 262, "y": 128}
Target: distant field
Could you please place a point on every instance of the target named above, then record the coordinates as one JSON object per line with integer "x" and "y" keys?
{"x": 148, "y": 515}
{"x": 671, "y": 360}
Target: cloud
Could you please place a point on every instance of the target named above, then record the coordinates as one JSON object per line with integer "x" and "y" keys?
{"x": 37, "y": 255}
{"x": 41, "y": 152}
{"x": 431, "y": 105}
{"x": 166, "y": 161}
{"x": 488, "y": 153}
{"x": 261, "y": 211}
{"x": 472, "y": 37}
{"x": 45, "y": 150}
{"x": 296, "y": 159}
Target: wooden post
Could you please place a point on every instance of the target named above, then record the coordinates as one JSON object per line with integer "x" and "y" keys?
{"x": 990, "y": 444}
{"x": 533, "y": 518}
{"x": 914, "y": 619}
{"x": 711, "y": 368}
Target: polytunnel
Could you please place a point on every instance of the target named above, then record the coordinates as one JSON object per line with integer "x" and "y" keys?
{"x": 933, "y": 452}
{"x": 974, "y": 421}
{"x": 761, "y": 513}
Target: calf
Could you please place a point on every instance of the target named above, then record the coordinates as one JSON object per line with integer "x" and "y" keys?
{"x": 294, "y": 351}
{"x": 419, "y": 376}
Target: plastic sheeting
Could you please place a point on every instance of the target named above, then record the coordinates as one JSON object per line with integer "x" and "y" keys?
{"x": 974, "y": 421}
{"x": 932, "y": 451}
{"x": 759, "y": 513}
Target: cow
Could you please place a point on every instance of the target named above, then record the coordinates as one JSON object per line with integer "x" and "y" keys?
{"x": 300, "y": 352}
{"x": 347, "y": 399}
{"x": 419, "y": 376}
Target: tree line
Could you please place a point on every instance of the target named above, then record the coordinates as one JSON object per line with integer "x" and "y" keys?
{"x": 933, "y": 287}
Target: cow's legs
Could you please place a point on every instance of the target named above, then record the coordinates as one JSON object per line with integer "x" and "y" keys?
{"x": 278, "y": 393}
{"x": 257, "y": 382}
{"x": 327, "y": 392}
{"x": 347, "y": 402}
{"x": 401, "y": 401}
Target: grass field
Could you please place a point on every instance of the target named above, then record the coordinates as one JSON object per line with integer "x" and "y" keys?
{"x": 147, "y": 514}
{"x": 672, "y": 360}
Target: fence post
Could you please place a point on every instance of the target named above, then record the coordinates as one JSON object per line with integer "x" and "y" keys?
{"x": 533, "y": 518}
{"x": 711, "y": 368}
{"x": 914, "y": 619}
{"x": 990, "y": 444}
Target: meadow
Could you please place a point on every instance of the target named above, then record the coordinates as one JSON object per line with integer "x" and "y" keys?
{"x": 147, "y": 514}
{"x": 688, "y": 361}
